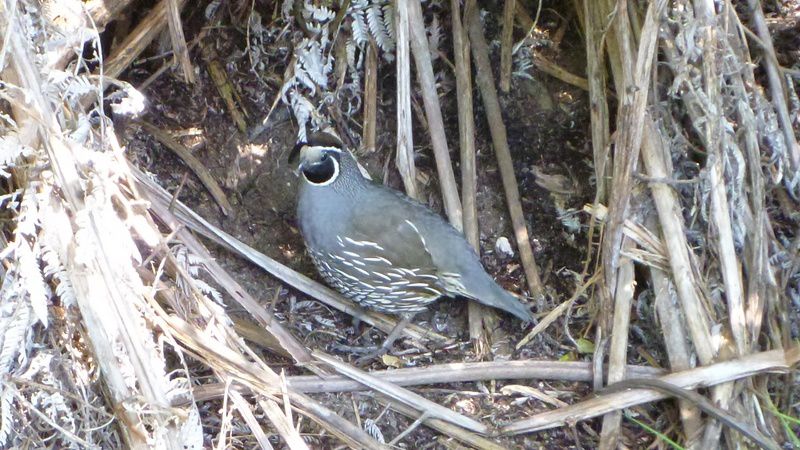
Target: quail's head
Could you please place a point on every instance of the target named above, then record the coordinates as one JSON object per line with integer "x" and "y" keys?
{"x": 318, "y": 158}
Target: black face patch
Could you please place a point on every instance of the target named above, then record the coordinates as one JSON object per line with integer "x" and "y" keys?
{"x": 323, "y": 171}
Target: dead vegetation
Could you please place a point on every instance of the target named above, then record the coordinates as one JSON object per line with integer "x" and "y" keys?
{"x": 646, "y": 164}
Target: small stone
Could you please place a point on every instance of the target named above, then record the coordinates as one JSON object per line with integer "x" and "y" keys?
{"x": 503, "y": 248}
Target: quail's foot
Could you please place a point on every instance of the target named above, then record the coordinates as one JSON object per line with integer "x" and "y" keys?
{"x": 369, "y": 357}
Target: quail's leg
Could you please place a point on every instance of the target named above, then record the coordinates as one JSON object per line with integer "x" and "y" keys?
{"x": 387, "y": 344}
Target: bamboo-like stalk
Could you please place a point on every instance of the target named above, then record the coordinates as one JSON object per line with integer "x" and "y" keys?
{"x": 618, "y": 275}
{"x": 180, "y": 51}
{"x": 433, "y": 112}
{"x": 720, "y": 211}
{"x": 370, "y": 97}
{"x": 405, "y": 136}
{"x": 575, "y": 371}
{"x": 618, "y": 353}
{"x": 506, "y": 43}
{"x": 469, "y": 177}
{"x": 678, "y": 351}
{"x": 776, "y": 88}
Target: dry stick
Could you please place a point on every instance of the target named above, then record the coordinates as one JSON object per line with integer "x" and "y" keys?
{"x": 711, "y": 375}
{"x": 467, "y": 372}
{"x": 194, "y": 164}
{"x": 405, "y": 136}
{"x": 576, "y": 371}
{"x": 654, "y": 155}
{"x": 617, "y": 355}
{"x": 629, "y": 138}
{"x": 433, "y": 111}
{"x": 619, "y": 275}
{"x": 469, "y": 179}
{"x": 403, "y": 396}
{"x": 720, "y": 210}
{"x": 598, "y": 112}
{"x": 485, "y": 81}
{"x": 702, "y": 403}
{"x": 370, "y": 97}
{"x": 300, "y": 282}
{"x": 678, "y": 351}
{"x": 180, "y": 51}
{"x": 776, "y": 89}
{"x": 138, "y": 40}
{"x": 760, "y": 269}
{"x": 506, "y": 45}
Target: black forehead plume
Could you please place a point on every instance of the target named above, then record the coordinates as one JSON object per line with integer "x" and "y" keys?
{"x": 316, "y": 139}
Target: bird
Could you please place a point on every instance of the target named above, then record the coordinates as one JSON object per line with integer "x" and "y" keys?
{"x": 380, "y": 248}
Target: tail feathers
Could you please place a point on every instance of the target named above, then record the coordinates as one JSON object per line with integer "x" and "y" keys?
{"x": 499, "y": 298}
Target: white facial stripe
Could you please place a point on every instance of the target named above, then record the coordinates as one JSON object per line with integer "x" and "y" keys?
{"x": 329, "y": 180}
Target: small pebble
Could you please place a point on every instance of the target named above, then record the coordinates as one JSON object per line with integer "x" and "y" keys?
{"x": 503, "y": 248}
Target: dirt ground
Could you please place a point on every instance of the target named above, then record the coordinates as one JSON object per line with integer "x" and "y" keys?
{"x": 548, "y": 125}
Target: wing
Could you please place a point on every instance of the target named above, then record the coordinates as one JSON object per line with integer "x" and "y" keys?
{"x": 385, "y": 263}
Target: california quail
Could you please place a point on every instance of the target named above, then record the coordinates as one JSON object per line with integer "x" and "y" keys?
{"x": 380, "y": 248}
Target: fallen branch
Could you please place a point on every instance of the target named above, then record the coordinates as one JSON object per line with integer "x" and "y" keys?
{"x": 711, "y": 375}
{"x": 448, "y": 373}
